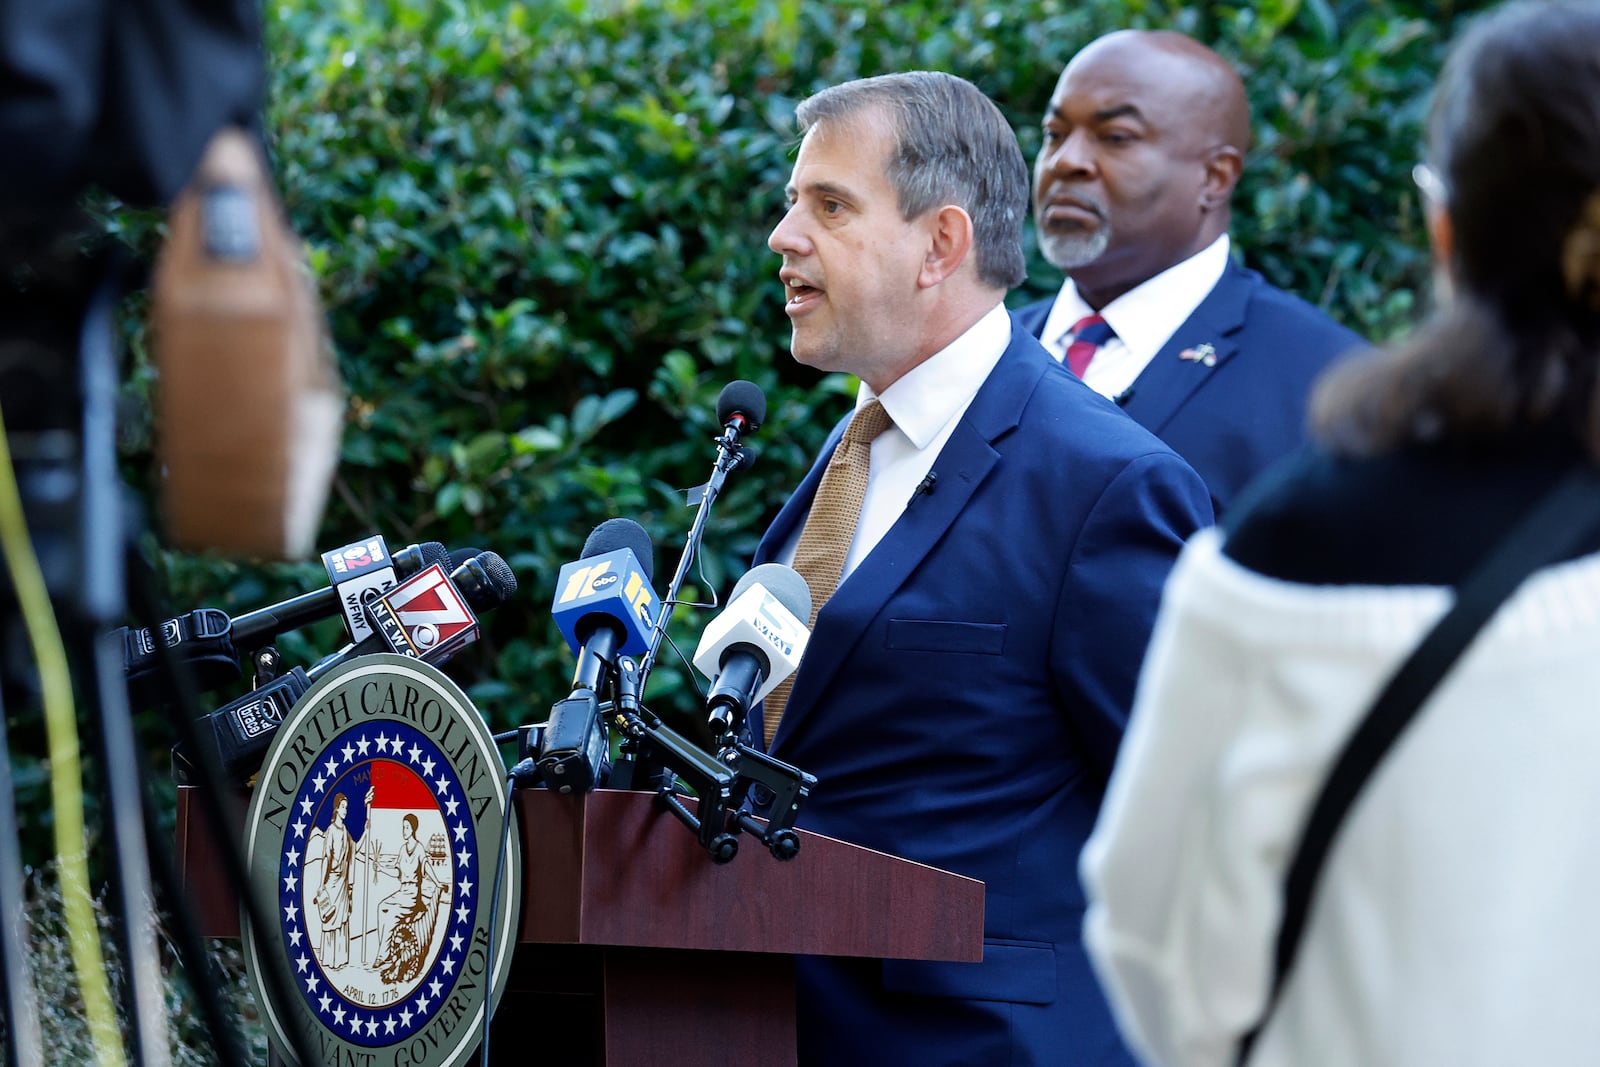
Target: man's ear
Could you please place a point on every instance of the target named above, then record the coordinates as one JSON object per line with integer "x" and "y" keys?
{"x": 949, "y": 245}
{"x": 1224, "y": 164}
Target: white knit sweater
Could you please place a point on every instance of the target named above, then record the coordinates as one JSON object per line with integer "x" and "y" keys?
{"x": 1457, "y": 922}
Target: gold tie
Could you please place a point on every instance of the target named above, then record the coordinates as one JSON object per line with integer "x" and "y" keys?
{"x": 830, "y": 529}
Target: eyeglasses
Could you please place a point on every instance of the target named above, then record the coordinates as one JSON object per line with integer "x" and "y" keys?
{"x": 1432, "y": 186}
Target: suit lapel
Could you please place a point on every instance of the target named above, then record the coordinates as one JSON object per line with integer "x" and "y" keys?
{"x": 962, "y": 465}
{"x": 1206, "y": 340}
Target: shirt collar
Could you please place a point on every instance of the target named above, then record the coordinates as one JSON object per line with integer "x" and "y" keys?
{"x": 1146, "y": 316}
{"x": 926, "y": 398}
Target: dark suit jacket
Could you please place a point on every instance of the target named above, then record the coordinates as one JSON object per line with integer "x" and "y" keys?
{"x": 1232, "y": 419}
{"x": 961, "y": 701}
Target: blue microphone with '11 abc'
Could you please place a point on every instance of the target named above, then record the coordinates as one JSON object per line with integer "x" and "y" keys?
{"x": 605, "y": 608}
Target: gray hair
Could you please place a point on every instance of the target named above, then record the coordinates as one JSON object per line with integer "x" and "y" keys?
{"x": 952, "y": 146}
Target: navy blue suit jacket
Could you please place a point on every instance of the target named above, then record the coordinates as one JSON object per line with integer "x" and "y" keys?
{"x": 1234, "y": 418}
{"x": 961, "y": 701}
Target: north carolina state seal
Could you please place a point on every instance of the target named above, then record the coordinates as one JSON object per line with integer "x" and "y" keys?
{"x": 375, "y": 828}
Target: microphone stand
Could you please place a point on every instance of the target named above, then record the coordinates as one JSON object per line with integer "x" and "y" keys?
{"x": 730, "y": 457}
{"x": 721, "y": 782}
{"x": 657, "y": 743}
{"x": 657, "y": 757}
{"x": 789, "y": 786}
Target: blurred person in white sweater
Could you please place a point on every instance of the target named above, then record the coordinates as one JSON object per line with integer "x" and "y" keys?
{"x": 1455, "y": 922}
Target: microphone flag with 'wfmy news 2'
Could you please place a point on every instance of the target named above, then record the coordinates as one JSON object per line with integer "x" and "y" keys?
{"x": 358, "y": 571}
{"x": 754, "y": 644}
{"x": 208, "y": 642}
{"x": 435, "y": 614}
{"x": 605, "y": 607}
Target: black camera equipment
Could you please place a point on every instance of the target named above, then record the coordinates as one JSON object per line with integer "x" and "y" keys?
{"x": 124, "y": 97}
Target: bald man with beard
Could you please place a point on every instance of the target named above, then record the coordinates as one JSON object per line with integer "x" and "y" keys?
{"x": 1144, "y": 142}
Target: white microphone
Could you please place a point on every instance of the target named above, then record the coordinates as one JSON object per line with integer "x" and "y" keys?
{"x": 754, "y": 644}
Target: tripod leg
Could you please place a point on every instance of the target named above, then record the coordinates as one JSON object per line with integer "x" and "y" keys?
{"x": 124, "y": 823}
{"x": 101, "y": 606}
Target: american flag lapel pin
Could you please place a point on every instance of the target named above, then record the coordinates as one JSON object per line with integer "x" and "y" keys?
{"x": 1204, "y": 354}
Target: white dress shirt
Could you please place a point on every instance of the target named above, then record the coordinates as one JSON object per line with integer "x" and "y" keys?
{"x": 1144, "y": 318}
{"x": 925, "y": 404}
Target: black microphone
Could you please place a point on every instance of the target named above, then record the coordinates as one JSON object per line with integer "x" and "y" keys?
{"x": 741, "y": 407}
{"x": 480, "y": 584}
{"x": 202, "y": 640}
{"x": 256, "y": 628}
{"x": 754, "y": 644}
{"x": 484, "y": 578}
{"x": 239, "y": 733}
{"x": 209, "y": 643}
{"x": 601, "y": 617}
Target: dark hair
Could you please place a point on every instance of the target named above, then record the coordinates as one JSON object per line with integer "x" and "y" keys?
{"x": 1514, "y": 136}
{"x": 410, "y": 820}
{"x": 952, "y": 146}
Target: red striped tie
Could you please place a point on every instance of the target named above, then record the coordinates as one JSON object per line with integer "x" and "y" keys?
{"x": 1088, "y": 334}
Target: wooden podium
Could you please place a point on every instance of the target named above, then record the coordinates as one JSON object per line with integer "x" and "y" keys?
{"x": 636, "y": 950}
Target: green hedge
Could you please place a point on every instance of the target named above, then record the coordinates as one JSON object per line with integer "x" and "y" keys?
{"x": 540, "y": 233}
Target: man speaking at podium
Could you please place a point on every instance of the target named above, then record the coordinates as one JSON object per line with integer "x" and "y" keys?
{"x": 985, "y": 540}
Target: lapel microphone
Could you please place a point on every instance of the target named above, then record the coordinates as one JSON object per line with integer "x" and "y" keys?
{"x": 924, "y": 488}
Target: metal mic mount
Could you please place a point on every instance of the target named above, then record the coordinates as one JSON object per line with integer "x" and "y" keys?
{"x": 720, "y": 782}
